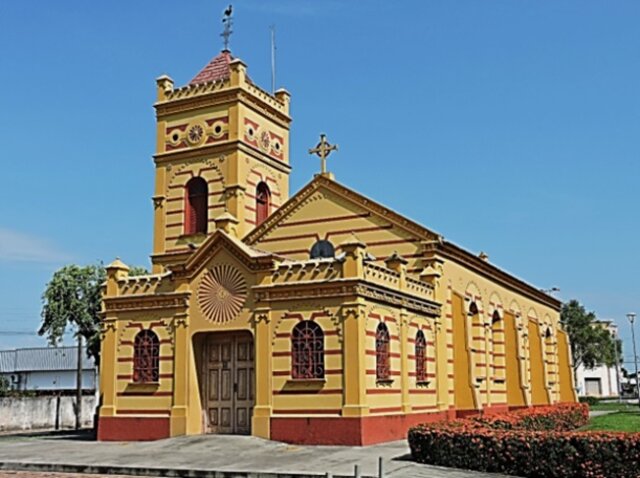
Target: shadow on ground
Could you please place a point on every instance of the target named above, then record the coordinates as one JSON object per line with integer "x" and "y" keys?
{"x": 78, "y": 435}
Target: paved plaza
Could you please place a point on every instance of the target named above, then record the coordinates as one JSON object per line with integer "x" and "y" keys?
{"x": 204, "y": 454}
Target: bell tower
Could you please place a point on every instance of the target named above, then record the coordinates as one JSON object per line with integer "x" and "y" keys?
{"x": 222, "y": 152}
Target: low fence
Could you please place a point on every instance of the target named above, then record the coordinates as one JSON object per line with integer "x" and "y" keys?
{"x": 33, "y": 413}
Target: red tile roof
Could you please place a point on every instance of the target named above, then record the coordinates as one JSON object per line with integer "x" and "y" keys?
{"x": 217, "y": 69}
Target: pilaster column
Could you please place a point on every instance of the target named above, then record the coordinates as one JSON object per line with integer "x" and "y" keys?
{"x": 234, "y": 197}
{"x": 181, "y": 363}
{"x": 261, "y": 422}
{"x": 353, "y": 361}
{"x": 109, "y": 362}
{"x": 404, "y": 361}
{"x": 116, "y": 271}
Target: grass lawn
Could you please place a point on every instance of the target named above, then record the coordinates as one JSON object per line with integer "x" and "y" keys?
{"x": 625, "y": 421}
{"x": 624, "y": 407}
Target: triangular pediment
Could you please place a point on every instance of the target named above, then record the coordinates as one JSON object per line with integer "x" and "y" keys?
{"x": 251, "y": 258}
{"x": 327, "y": 210}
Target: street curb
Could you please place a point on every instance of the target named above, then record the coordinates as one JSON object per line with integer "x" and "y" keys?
{"x": 162, "y": 472}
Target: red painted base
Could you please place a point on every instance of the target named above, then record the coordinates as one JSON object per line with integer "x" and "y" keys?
{"x": 356, "y": 431}
{"x": 467, "y": 413}
{"x": 495, "y": 409}
{"x": 132, "y": 428}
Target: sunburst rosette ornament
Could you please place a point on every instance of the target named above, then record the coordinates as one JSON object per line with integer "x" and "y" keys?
{"x": 222, "y": 293}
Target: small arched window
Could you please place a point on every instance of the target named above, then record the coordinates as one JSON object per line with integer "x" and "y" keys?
{"x": 195, "y": 214}
{"x": 307, "y": 350}
{"x": 322, "y": 249}
{"x": 146, "y": 357}
{"x": 473, "y": 309}
{"x": 263, "y": 202}
{"x": 383, "y": 368}
{"x": 421, "y": 357}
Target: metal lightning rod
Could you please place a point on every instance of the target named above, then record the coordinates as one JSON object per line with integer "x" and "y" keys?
{"x": 273, "y": 58}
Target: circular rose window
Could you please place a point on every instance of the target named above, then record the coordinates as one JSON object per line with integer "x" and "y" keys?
{"x": 195, "y": 134}
{"x": 222, "y": 293}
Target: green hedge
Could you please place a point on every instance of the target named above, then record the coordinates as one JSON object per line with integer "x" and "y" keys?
{"x": 513, "y": 444}
{"x": 591, "y": 401}
{"x": 563, "y": 417}
{"x": 526, "y": 453}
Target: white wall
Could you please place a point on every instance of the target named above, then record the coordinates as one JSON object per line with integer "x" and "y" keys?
{"x": 40, "y": 412}
{"x": 57, "y": 380}
{"x": 608, "y": 380}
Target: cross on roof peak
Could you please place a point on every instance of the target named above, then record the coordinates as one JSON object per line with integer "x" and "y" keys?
{"x": 322, "y": 150}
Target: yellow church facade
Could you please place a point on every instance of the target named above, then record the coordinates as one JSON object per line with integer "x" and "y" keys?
{"x": 321, "y": 317}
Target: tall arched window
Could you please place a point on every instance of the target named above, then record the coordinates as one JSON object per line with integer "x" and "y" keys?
{"x": 383, "y": 368}
{"x": 498, "y": 347}
{"x": 146, "y": 357}
{"x": 550, "y": 356}
{"x": 421, "y": 357}
{"x": 263, "y": 202}
{"x": 195, "y": 210}
{"x": 307, "y": 350}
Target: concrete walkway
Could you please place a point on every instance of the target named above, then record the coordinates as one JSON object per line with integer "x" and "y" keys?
{"x": 204, "y": 455}
{"x": 599, "y": 413}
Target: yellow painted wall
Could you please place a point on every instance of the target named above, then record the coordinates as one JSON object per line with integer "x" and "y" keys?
{"x": 464, "y": 398}
{"x": 230, "y": 155}
{"x": 515, "y": 392}
{"x": 567, "y": 390}
{"x": 538, "y": 391}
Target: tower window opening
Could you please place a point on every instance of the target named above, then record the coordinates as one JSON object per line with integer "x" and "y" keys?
{"x": 263, "y": 202}
{"x": 196, "y": 206}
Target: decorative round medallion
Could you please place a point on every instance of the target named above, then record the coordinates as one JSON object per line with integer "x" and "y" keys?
{"x": 222, "y": 293}
{"x": 195, "y": 134}
{"x": 265, "y": 140}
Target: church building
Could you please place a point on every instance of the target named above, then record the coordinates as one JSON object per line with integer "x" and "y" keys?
{"x": 319, "y": 317}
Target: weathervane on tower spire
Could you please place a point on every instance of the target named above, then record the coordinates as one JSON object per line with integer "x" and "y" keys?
{"x": 227, "y": 21}
{"x": 323, "y": 150}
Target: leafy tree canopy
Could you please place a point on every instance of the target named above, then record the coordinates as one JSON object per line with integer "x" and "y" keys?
{"x": 591, "y": 343}
{"x": 72, "y": 299}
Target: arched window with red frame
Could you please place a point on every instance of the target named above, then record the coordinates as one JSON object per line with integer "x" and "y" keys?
{"x": 421, "y": 357}
{"x": 195, "y": 213}
{"x": 263, "y": 202}
{"x": 307, "y": 351}
{"x": 146, "y": 357}
{"x": 383, "y": 367}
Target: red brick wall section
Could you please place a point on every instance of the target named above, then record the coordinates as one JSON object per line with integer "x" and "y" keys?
{"x": 348, "y": 431}
{"x": 133, "y": 428}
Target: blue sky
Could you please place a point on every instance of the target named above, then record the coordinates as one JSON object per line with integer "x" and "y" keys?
{"x": 509, "y": 126}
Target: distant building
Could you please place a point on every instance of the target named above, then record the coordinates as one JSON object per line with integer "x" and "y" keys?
{"x": 46, "y": 369}
{"x": 601, "y": 381}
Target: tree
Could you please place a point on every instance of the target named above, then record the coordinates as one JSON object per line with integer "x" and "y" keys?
{"x": 72, "y": 299}
{"x": 591, "y": 343}
{"x": 5, "y": 386}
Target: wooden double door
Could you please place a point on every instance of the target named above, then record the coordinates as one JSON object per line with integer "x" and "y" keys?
{"x": 229, "y": 382}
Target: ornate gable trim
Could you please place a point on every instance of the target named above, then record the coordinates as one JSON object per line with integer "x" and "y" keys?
{"x": 322, "y": 182}
{"x": 216, "y": 241}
